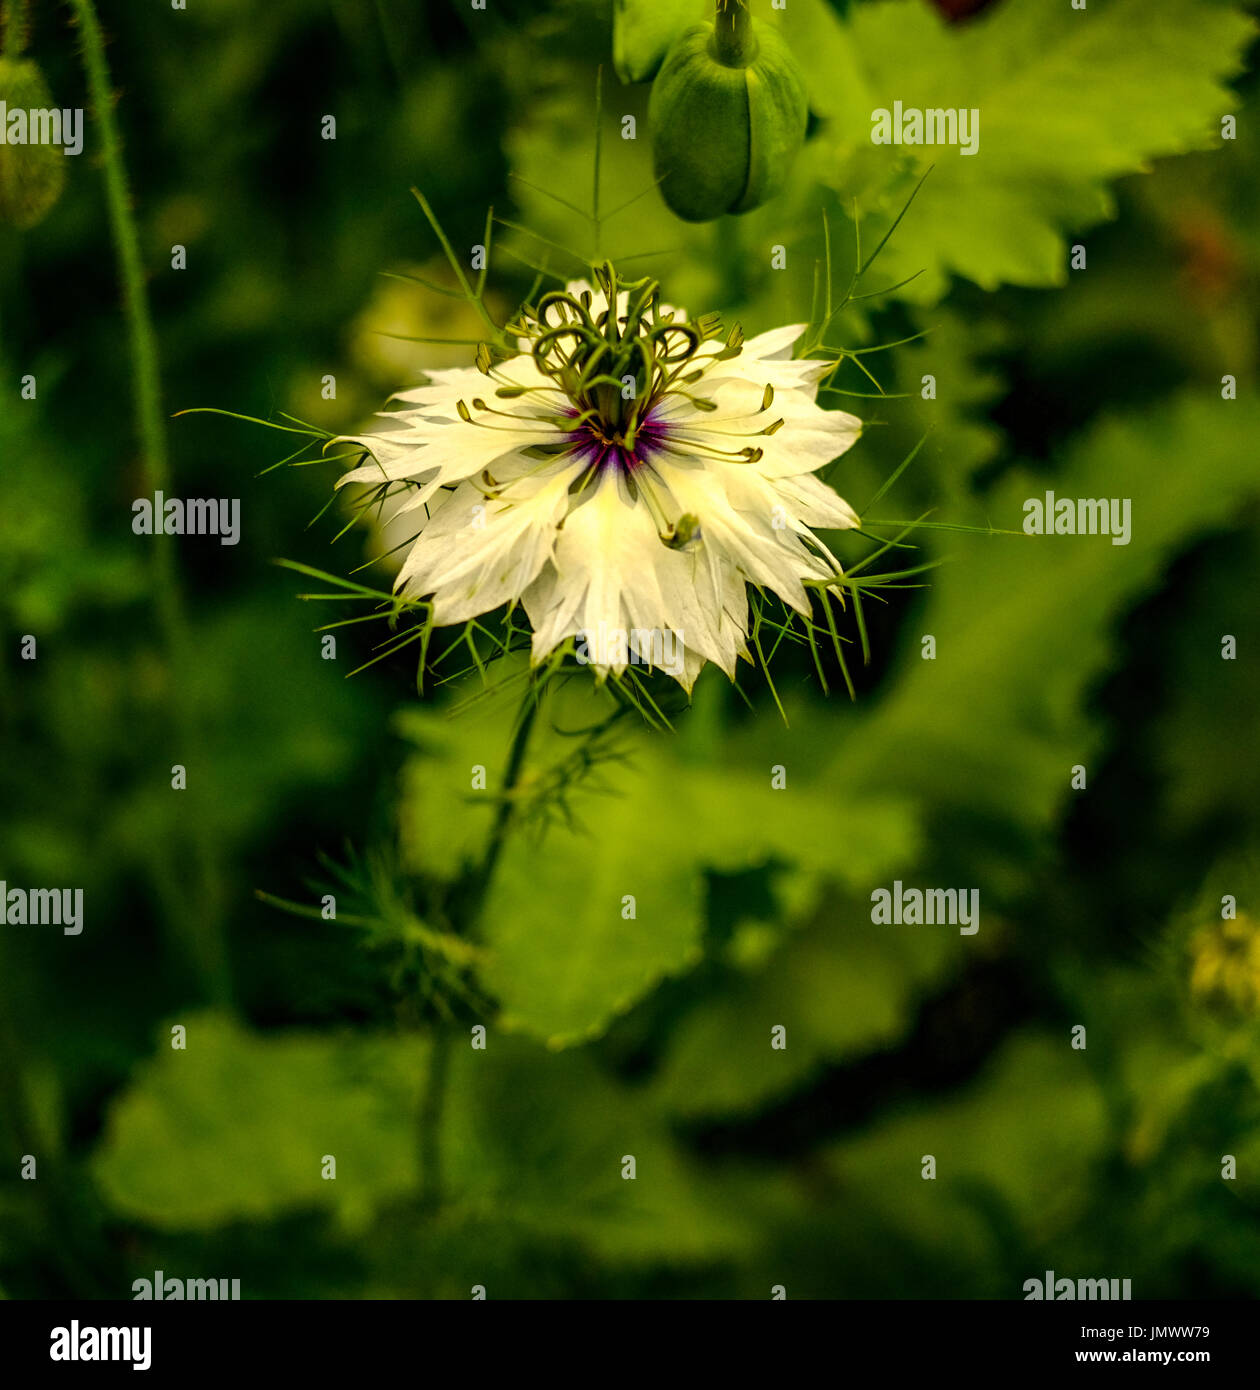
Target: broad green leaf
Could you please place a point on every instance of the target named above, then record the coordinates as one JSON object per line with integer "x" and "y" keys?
{"x": 444, "y": 818}
{"x": 564, "y": 956}
{"x": 235, "y": 1126}
{"x": 540, "y": 1141}
{"x": 989, "y": 731}
{"x": 597, "y": 899}
{"x": 840, "y": 989}
{"x": 1068, "y": 101}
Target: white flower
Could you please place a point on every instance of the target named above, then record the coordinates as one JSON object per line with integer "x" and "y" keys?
{"x": 626, "y": 477}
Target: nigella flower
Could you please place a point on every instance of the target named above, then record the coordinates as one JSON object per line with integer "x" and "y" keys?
{"x": 624, "y": 473}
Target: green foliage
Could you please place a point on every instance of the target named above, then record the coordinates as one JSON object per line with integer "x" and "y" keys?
{"x": 1010, "y": 681}
{"x": 1006, "y": 1171}
{"x": 838, "y": 990}
{"x": 1068, "y": 100}
{"x": 291, "y": 1101}
{"x": 610, "y": 1035}
{"x": 643, "y": 31}
{"x": 236, "y": 1127}
{"x": 509, "y": 1135}
{"x": 643, "y": 825}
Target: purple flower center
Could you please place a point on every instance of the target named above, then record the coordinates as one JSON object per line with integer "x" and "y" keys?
{"x": 605, "y": 447}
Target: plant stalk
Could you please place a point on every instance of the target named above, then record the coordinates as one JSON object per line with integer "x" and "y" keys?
{"x": 208, "y": 944}
{"x": 734, "y": 43}
{"x": 434, "y": 1101}
{"x": 507, "y": 808}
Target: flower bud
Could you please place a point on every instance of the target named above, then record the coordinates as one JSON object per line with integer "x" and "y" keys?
{"x": 728, "y": 113}
{"x": 31, "y": 176}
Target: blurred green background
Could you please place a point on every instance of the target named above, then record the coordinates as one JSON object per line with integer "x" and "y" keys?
{"x": 1101, "y": 906}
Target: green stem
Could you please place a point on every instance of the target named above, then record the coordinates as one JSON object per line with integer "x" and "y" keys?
{"x": 734, "y": 43}
{"x": 208, "y": 945}
{"x": 507, "y": 806}
{"x": 473, "y": 296}
{"x": 143, "y": 340}
{"x": 434, "y": 1100}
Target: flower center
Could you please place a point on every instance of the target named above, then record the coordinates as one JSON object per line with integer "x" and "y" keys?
{"x": 616, "y": 364}
{"x": 604, "y": 444}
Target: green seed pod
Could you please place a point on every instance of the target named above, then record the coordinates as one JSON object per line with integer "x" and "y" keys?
{"x": 728, "y": 113}
{"x": 31, "y": 176}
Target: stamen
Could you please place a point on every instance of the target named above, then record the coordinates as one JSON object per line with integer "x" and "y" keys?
{"x": 592, "y": 357}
